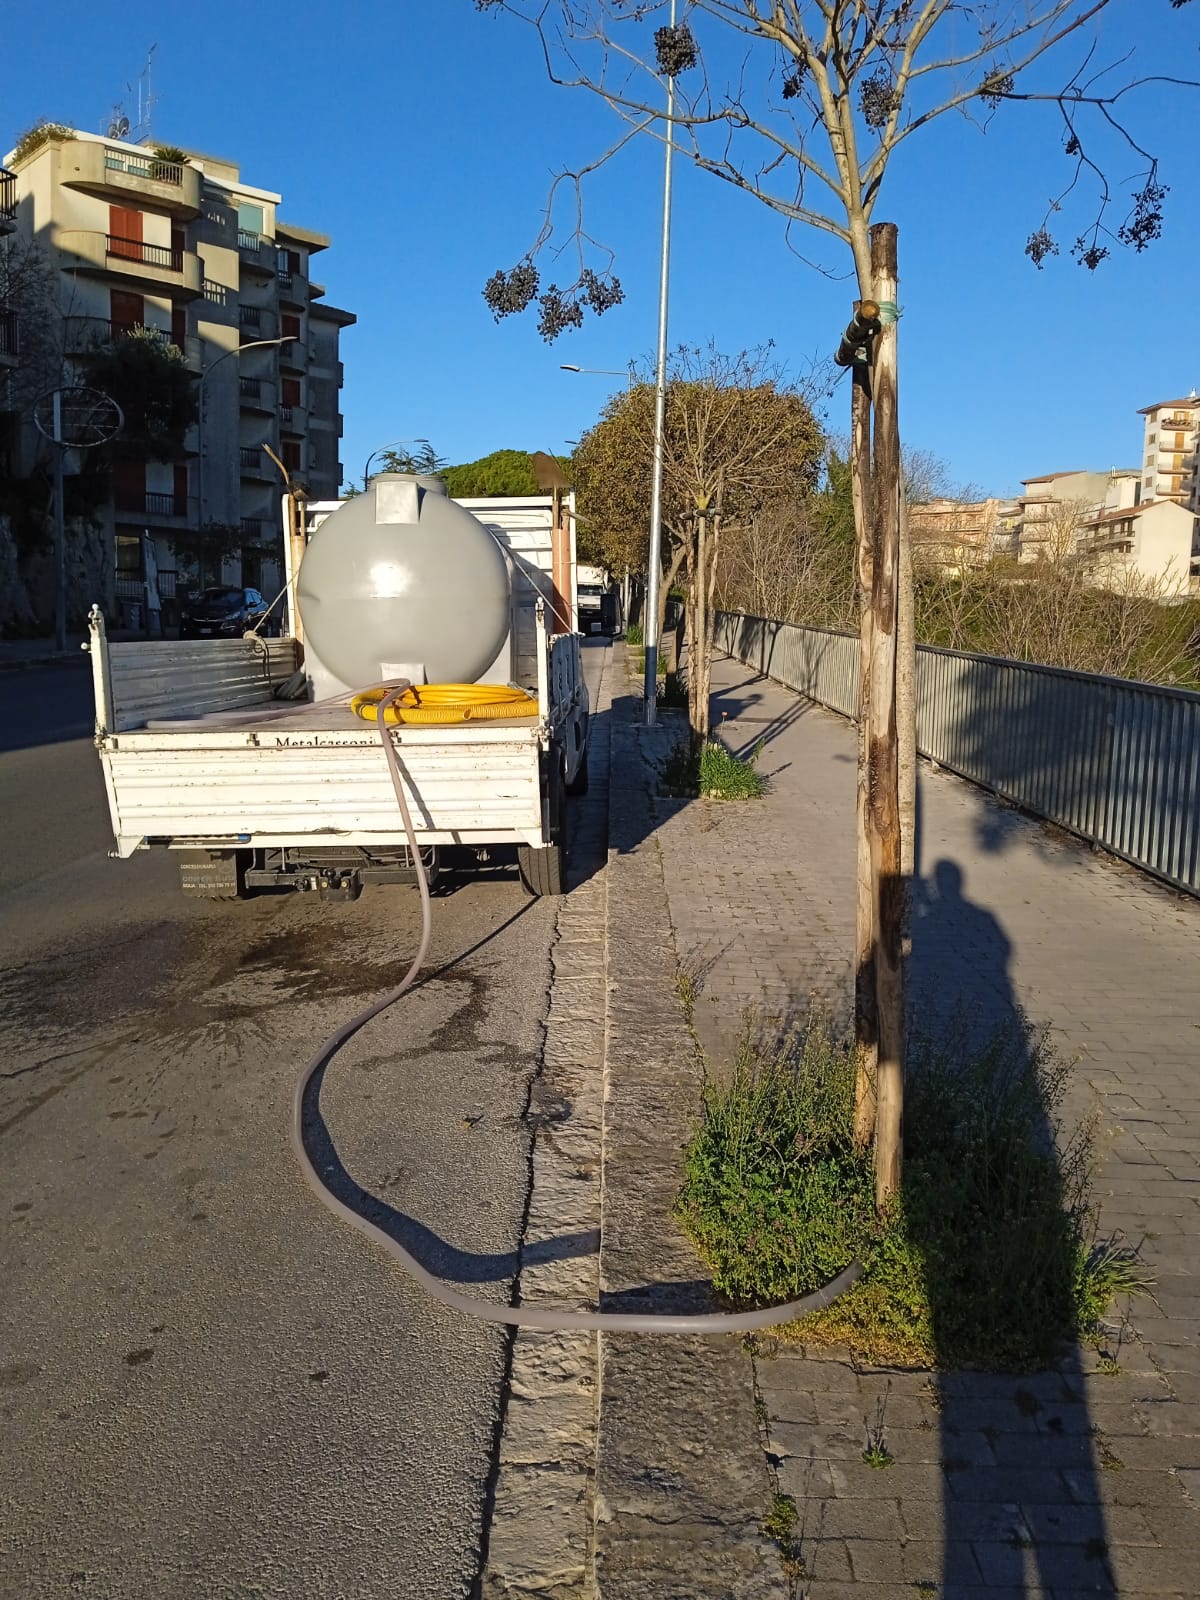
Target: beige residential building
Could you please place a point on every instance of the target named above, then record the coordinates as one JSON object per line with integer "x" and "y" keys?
{"x": 1169, "y": 466}
{"x": 9, "y": 333}
{"x": 189, "y": 248}
{"x": 956, "y": 534}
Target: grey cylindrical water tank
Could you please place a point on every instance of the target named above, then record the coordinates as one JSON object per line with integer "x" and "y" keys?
{"x": 401, "y": 573}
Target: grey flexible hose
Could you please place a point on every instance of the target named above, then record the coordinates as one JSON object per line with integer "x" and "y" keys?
{"x": 550, "y": 1318}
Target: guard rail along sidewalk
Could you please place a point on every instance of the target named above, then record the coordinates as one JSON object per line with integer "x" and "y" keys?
{"x": 1115, "y": 761}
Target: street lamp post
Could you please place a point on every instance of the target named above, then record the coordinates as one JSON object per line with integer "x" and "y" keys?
{"x": 654, "y": 564}
{"x": 251, "y": 344}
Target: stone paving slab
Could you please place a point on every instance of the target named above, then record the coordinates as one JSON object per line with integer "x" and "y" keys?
{"x": 1061, "y": 1484}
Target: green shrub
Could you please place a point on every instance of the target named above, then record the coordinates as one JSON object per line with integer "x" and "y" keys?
{"x": 34, "y": 138}
{"x": 634, "y": 634}
{"x": 988, "y": 1255}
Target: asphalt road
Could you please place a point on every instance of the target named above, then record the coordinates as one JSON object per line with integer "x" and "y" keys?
{"x": 208, "y": 1387}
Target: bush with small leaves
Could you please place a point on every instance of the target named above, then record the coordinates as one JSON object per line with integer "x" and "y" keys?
{"x": 675, "y": 49}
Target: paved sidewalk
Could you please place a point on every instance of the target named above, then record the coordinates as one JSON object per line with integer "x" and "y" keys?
{"x": 1069, "y": 1483}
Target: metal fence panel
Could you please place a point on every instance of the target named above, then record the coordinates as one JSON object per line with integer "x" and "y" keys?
{"x": 1115, "y": 761}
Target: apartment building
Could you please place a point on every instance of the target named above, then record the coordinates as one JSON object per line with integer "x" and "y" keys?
{"x": 140, "y": 238}
{"x": 1169, "y": 466}
{"x": 957, "y": 534}
{"x": 9, "y": 330}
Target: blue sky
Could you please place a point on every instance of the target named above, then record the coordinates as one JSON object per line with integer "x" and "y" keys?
{"x": 422, "y": 136}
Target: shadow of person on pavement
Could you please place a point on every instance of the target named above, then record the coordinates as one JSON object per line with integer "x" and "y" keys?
{"x": 1021, "y": 1502}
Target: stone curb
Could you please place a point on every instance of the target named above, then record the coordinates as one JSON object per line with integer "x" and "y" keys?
{"x": 682, "y": 1483}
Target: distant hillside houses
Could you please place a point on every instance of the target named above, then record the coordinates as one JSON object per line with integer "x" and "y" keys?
{"x": 1129, "y": 527}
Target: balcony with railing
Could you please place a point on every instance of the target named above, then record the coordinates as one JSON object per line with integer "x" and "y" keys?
{"x": 253, "y": 461}
{"x": 256, "y": 253}
{"x": 120, "y": 172}
{"x": 10, "y": 337}
{"x": 256, "y": 394}
{"x": 149, "y": 267}
{"x": 87, "y": 335}
{"x": 252, "y": 528}
{"x": 249, "y": 317}
{"x": 149, "y": 503}
{"x": 8, "y": 200}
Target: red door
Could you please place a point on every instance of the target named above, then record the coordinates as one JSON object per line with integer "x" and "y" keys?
{"x": 129, "y": 485}
{"x": 125, "y": 233}
{"x": 128, "y": 310}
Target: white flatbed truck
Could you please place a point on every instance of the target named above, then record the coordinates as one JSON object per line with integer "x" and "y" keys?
{"x": 303, "y": 798}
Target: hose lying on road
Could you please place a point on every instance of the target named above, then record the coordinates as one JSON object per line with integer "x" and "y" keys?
{"x": 551, "y": 1318}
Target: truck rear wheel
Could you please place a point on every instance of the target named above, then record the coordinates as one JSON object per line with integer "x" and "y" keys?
{"x": 544, "y": 869}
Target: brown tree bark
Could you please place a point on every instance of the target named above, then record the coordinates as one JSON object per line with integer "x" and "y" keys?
{"x": 864, "y": 944}
{"x": 882, "y": 742}
{"x": 906, "y": 708}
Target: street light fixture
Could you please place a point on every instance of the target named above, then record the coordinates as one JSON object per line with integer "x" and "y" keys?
{"x": 601, "y": 372}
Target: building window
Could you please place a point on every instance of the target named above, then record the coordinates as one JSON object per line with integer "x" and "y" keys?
{"x": 290, "y": 395}
{"x": 289, "y": 453}
{"x": 289, "y": 326}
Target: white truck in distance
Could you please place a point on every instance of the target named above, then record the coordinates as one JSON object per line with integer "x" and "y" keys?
{"x": 202, "y": 756}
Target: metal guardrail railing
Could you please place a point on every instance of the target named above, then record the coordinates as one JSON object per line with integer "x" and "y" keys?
{"x": 1110, "y": 759}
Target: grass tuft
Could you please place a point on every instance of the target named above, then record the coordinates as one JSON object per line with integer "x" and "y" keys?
{"x": 715, "y": 772}
{"x": 986, "y": 1258}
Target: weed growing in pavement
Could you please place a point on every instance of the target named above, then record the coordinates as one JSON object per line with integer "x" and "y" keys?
{"x": 781, "y": 1524}
{"x": 986, "y": 1258}
{"x": 635, "y": 634}
{"x": 715, "y": 772}
{"x": 877, "y": 1454}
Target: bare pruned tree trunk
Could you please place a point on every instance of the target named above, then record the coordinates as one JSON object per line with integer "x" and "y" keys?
{"x": 906, "y": 703}
{"x": 864, "y": 944}
{"x": 883, "y": 812}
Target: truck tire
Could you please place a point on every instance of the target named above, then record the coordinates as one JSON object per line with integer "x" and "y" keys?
{"x": 543, "y": 872}
{"x": 544, "y": 869}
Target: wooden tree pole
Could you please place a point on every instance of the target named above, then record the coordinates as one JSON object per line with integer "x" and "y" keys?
{"x": 865, "y": 1025}
{"x": 882, "y": 739}
{"x": 855, "y": 352}
{"x": 698, "y": 699}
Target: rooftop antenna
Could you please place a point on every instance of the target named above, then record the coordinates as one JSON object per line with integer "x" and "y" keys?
{"x": 146, "y": 99}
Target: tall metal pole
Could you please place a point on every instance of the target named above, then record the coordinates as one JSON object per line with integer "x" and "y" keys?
{"x": 653, "y": 575}
{"x": 60, "y": 533}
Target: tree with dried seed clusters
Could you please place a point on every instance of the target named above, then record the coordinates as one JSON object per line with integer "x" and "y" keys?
{"x": 816, "y": 99}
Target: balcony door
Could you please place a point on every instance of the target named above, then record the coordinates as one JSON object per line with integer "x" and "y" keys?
{"x": 127, "y": 310}
{"x": 125, "y": 233}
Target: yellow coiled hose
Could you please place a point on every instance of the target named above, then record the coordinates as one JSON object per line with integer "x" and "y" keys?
{"x": 447, "y": 702}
